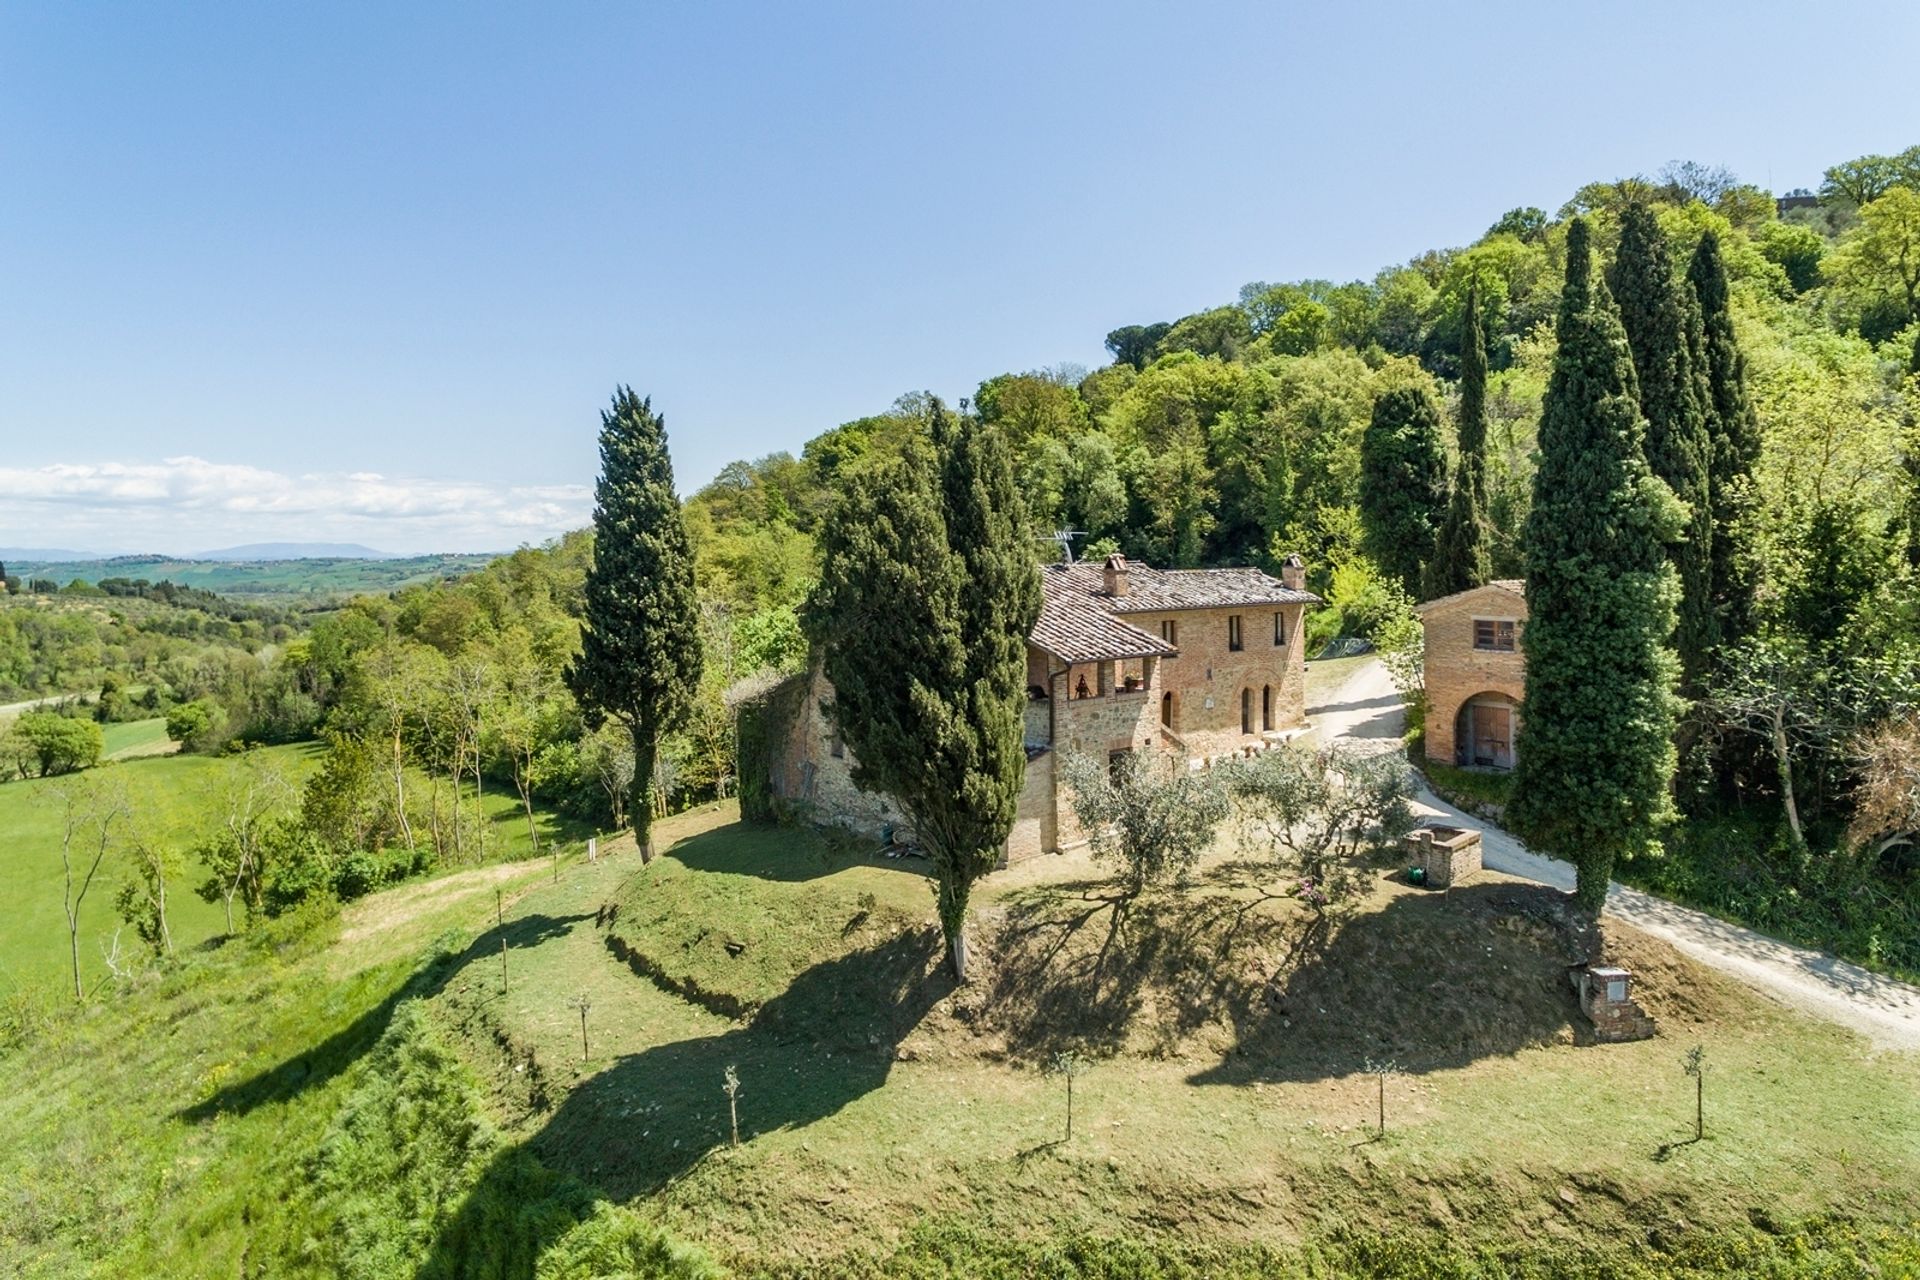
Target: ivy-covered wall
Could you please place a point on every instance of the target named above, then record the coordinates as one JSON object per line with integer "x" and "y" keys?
{"x": 764, "y": 725}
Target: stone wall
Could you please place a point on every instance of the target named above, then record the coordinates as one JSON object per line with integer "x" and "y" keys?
{"x": 1035, "y": 823}
{"x": 1115, "y": 721}
{"x": 813, "y": 784}
{"x": 1456, "y": 671}
{"x": 818, "y": 785}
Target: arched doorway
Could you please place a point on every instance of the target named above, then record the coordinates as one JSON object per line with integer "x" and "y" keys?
{"x": 1484, "y": 730}
{"x": 1266, "y": 707}
{"x": 1246, "y": 711}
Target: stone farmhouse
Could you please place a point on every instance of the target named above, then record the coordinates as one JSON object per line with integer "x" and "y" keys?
{"x": 1476, "y": 673}
{"x": 1199, "y": 663}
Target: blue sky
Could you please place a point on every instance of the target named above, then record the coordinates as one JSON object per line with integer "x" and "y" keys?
{"x": 368, "y": 272}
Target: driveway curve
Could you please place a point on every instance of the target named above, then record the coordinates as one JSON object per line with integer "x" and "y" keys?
{"x": 1366, "y": 711}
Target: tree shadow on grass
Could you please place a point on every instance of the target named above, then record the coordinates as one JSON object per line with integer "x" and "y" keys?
{"x": 650, "y": 1117}
{"x": 332, "y": 1056}
{"x": 786, "y": 853}
{"x": 827, "y": 1040}
{"x": 1083, "y": 967}
{"x": 1430, "y": 982}
{"x": 1234, "y": 967}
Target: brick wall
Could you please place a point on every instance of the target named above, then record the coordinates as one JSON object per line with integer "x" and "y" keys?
{"x": 1456, "y": 671}
{"x": 1208, "y": 669}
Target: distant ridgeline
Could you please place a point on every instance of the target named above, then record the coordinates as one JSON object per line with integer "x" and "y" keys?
{"x": 147, "y": 575}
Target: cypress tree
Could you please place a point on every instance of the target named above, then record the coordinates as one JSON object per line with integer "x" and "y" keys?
{"x": 1734, "y": 434}
{"x": 1403, "y": 481}
{"x": 927, "y": 592}
{"x": 1460, "y": 559}
{"x": 1594, "y": 754}
{"x": 1663, "y": 330}
{"x": 639, "y": 660}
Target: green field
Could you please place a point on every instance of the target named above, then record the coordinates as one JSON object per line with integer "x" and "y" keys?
{"x": 170, "y": 796}
{"x": 173, "y": 797}
{"x": 136, "y": 738}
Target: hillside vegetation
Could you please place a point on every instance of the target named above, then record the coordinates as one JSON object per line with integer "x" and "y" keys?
{"x": 255, "y": 579}
{"x": 377, "y": 1105}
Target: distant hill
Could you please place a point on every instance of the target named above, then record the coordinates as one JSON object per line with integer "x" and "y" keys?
{"x": 44, "y": 555}
{"x": 298, "y": 551}
{"x": 310, "y": 576}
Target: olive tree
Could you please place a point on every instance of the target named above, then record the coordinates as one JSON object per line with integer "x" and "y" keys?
{"x": 1146, "y": 812}
{"x": 1322, "y": 812}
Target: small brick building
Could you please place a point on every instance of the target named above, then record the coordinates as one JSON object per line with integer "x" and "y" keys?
{"x": 1201, "y": 663}
{"x": 1476, "y": 673}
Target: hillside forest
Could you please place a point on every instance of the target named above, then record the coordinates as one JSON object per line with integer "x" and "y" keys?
{"x": 1342, "y": 421}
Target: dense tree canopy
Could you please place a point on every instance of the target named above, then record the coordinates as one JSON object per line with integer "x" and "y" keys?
{"x": 1402, "y": 482}
{"x": 1662, "y": 322}
{"x": 1460, "y": 555}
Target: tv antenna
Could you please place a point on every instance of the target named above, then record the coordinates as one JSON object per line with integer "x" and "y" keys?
{"x": 1063, "y": 537}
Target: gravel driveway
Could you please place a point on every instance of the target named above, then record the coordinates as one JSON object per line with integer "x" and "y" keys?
{"x": 1366, "y": 711}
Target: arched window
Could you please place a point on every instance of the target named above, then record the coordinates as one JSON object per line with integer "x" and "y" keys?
{"x": 1246, "y": 711}
{"x": 1266, "y": 706}
{"x": 1166, "y": 710}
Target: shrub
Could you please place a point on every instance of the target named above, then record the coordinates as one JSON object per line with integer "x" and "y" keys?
{"x": 1322, "y": 812}
{"x": 198, "y": 725}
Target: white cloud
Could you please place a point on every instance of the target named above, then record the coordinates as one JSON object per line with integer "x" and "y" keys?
{"x": 185, "y": 504}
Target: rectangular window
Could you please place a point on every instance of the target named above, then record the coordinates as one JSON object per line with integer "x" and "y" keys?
{"x": 1170, "y": 631}
{"x": 1234, "y": 642}
{"x": 1493, "y": 633}
{"x": 1279, "y": 629}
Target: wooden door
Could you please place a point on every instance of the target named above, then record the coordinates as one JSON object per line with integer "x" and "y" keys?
{"x": 1493, "y": 735}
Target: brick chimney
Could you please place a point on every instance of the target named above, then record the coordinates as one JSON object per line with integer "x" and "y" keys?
{"x": 1115, "y": 574}
{"x": 1293, "y": 573}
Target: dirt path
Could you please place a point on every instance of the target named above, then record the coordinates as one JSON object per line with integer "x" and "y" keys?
{"x": 11, "y": 709}
{"x": 1366, "y": 711}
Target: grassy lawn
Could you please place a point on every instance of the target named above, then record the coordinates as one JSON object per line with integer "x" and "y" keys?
{"x": 171, "y": 797}
{"x": 272, "y": 1106}
{"x": 874, "y": 1095}
{"x": 112, "y": 1161}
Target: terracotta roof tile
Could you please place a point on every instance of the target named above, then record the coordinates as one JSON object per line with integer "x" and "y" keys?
{"x": 1074, "y": 626}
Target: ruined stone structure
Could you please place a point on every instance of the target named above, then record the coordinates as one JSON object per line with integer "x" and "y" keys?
{"x": 1605, "y": 995}
{"x": 1476, "y": 673}
{"x": 1200, "y": 663}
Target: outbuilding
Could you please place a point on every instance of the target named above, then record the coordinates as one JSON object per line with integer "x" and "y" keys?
{"x": 1476, "y": 673}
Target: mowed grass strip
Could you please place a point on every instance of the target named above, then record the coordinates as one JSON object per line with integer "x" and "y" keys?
{"x": 137, "y": 738}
